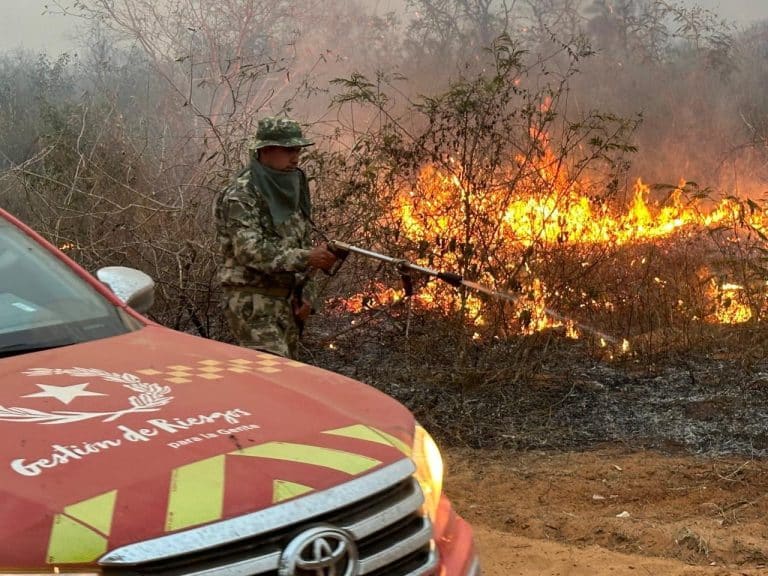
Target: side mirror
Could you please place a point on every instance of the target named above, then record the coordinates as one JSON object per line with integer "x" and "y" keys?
{"x": 132, "y": 286}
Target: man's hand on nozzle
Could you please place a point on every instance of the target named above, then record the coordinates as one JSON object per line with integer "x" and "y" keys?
{"x": 322, "y": 258}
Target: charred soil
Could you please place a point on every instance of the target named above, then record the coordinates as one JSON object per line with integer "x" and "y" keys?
{"x": 567, "y": 460}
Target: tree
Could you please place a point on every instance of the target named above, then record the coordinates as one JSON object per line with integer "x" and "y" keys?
{"x": 455, "y": 167}
{"x": 225, "y": 61}
{"x": 31, "y": 88}
{"x": 450, "y": 33}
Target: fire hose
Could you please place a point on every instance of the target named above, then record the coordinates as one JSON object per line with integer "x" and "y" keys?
{"x": 404, "y": 268}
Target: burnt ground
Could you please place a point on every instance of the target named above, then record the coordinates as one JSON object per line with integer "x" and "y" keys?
{"x": 546, "y": 392}
{"x": 568, "y": 462}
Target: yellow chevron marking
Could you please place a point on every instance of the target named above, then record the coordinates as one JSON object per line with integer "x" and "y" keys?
{"x": 73, "y": 543}
{"x": 305, "y": 454}
{"x": 284, "y": 490}
{"x": 361, "y": 432}
{"x": 96, "y": 512}
{"x": 196, "y": 495}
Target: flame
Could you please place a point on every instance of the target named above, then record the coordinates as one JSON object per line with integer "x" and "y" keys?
{"x": 731, "y": 304}
{"x": 534, "y": 312}
{"x": 574, "y": 218}
{"x": 544, "y": 206}
{"x": 378, "y": 295}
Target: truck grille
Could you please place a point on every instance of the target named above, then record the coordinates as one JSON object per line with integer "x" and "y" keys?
{"x": 381, "y": 512}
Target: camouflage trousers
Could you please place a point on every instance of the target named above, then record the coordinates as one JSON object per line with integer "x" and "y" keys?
{"x": 262, "y": 322}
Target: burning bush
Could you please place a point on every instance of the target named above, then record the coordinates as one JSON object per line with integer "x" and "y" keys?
{"x": 504, "y": 184}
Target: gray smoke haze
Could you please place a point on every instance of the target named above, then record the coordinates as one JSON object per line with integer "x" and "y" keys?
{"x": 166, "y": 122}
{"x": 739, "y": 10}
{"x": 695, "y": 123}
{"x": 28, "y": 24}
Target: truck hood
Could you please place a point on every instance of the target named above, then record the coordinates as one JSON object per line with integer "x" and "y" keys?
{"x": 129, "y": 438}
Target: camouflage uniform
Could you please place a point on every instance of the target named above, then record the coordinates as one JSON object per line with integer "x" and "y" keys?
{"x": 262, "y": 262}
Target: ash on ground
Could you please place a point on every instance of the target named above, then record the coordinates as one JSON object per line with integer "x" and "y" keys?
{"x": 546, "y": 392}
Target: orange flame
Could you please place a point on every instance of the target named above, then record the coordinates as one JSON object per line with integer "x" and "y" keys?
{"x": 545, "y": 206}
{"x": 731, "y": 306}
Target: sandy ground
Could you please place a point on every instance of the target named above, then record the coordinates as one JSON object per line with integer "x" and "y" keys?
{"x": 612, "y": 511}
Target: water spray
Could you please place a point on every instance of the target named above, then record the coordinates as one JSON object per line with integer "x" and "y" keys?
{"x": 404, "y": 267}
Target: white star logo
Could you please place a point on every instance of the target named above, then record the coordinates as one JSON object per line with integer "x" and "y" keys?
{"x": 64, "y": 393}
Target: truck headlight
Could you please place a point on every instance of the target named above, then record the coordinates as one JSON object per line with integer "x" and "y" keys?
{"x": 429, "y": 469}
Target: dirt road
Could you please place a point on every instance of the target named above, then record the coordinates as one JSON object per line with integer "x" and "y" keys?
{"x": 613, "y": 512}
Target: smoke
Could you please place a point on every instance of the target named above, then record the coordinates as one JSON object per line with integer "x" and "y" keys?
{"x": 695, "y": 75}
{"x": 152, "y": 117}
{"x": 699, "y": 97}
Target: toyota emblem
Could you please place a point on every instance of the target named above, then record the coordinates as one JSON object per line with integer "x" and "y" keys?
{"x": 320, "y": 551}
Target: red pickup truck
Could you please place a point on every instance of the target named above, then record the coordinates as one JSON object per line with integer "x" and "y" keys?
{"x": 131, "y": 449}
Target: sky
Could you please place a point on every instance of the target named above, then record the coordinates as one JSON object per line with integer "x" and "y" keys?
{"x": 24, "y": 24}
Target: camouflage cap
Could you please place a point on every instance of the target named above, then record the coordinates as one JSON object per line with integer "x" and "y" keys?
{"x": 274, "y": 131}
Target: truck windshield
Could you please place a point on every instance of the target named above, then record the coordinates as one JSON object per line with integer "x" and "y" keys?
{"x": 45, "y": 304}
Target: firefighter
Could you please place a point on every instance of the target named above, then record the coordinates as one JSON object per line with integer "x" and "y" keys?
{"x": 263, "y": 226}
